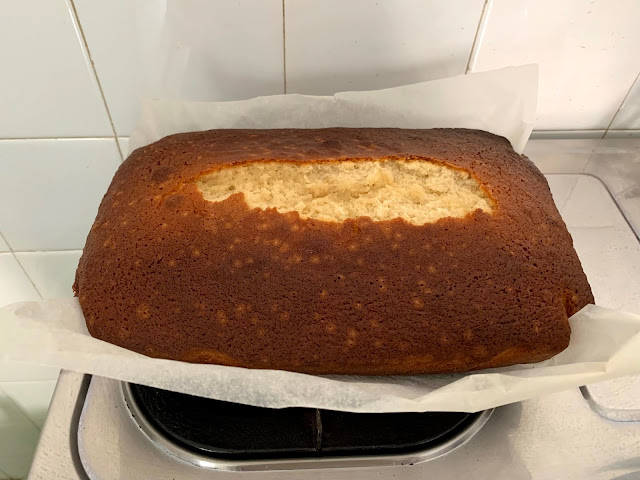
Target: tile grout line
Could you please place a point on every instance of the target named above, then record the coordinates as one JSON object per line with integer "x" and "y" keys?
{"x": 19, "y": 408}
{"x": 95, "y": 75}
{"x": 4, "y": 239}
{"x": 14, "y": 382}
{"x": 581, "y": 130}
{"x": 27, "y": 274}
{"x": 284, "y": 49}
{"x": 24, "y": 270}
{"x": 593, "y": 134}
{"x": 634, "y": 131}
{"x": 28, "y": 139}
{"x": 54, "y": 250}
{"x": 477, "y": 39}
{"x": 13, "y": 254}
{"x": 110, "y": 137}
{"x": 620, "y": 106}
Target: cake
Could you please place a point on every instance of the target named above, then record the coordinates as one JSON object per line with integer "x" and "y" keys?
{"x": 332, "y": 251}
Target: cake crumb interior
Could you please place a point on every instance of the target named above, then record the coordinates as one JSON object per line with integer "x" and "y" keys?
{"x": 419, "y": 191}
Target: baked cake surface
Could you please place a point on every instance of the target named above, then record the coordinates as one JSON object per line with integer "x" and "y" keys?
{"x": 177, "y": 267}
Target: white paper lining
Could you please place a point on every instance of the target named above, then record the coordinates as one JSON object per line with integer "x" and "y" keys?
{"x": 501, "y": 102}
{"x": 604, "y": 343}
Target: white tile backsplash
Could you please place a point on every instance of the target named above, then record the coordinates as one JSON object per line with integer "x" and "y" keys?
{"x": 225, "y": 51}
{"x": 15, "y": 286}
{"x": 18, "y": 438}
{"x": 32, "y": 398}
{"x": 583, "y": 193}
{"x": 53, "y": 273}
{"x": 47, "y": 87}
{"x": 629, "y": 115}
{"x": 58, "y": 185}
{"x": 333, "y": 45}
{"x": 18, "y": 467}
{"x": 564, "y": 134}
{"x": 588, "y": 52}
{"x": 11, "y": 371}
{"x": 10, "y": 413}
{"x": 124, "y": 146}
{"x": 622, "y": 134}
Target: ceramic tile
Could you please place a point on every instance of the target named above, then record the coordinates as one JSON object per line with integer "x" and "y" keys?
{"x": 565, "y": 134}
{"x": 622, "y": 134}
{"x": 18, "y": 438}
{"x": 561, "y": 187}
{"x": 32, "y": 398}
{"x": 11, "y": 371}
{"x": 124, "y": 146}
{"x": 48, "y": 88}
{"x": 372, "y": 45}
{"x": 588, "y": 191}
{"x": 16, "y": 287}
{"x": 597, "y": 253}
{"x": 10, "y": 414}
{"x": 50, "y": 190}
{"x": 588, "y": 52}
{"x": 14, "y": 283}
{"x": 19, "y": 466}
{"x": 3, "y": 245}
{"x": 200, "y": 54}
{"x": 628, "y": 117}
{"x": 561, "y": 156}
{"x": 53, "y": 273}
{"x": 601, "y": 237}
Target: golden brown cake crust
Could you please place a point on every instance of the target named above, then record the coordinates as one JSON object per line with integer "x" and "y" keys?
{"x": 170, "y": 275}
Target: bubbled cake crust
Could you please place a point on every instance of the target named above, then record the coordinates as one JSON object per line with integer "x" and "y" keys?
{"x": 171, "y": 275}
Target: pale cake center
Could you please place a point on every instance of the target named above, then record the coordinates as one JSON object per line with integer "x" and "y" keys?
{"x": 418, "y": 191}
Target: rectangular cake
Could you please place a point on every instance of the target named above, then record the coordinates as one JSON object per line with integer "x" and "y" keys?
{"x": 332, "y": 251}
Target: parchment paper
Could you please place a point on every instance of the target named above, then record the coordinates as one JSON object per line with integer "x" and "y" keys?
{"x": 500, "y": 101}
{"x": 604, "y": 344}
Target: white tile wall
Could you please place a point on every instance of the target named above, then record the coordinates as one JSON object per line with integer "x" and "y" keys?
{"x": 629, "y": 115}
{"x": 58, "y": 185}
{"x": 47, "y": 87}
{"x": 18, "y": 438}
{"x": 3, "y": 245}
{"x": 124, "y": 146}
{"x": 52, "y": 273}
{"x": 622, "y": 134}
{"x": 588, "y": 52}
{"x": 11, "y": 371}
{"x": 371, "y": 45}
{"x": 226, "y": 51}
{"x": 15, "y": 286}
{"x": 23, "y": 406}
{"x": 32, "y": 398}
{"x": 564, "y": 134}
